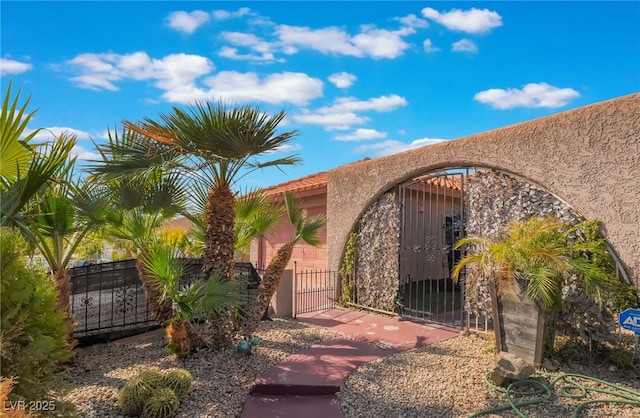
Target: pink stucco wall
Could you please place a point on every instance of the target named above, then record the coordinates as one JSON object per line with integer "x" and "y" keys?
{"x": 306, "y": 256}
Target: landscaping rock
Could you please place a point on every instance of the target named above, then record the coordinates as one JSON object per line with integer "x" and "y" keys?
{"x": 510, "y": 367}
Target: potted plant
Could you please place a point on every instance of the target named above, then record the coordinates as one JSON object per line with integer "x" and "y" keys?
{"x": 526, "y": 268}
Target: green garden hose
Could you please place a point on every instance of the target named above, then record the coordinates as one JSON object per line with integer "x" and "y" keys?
{"x": 571, "y": 388}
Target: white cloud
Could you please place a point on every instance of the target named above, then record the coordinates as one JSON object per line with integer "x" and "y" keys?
{"x": 264, "y": 49}
{"x": 172, "y": 72}
{"x": 224, "y": 14}
{"x": 412, "y": 21}
{"x": 8, "y": 66}
{"x": 361, "y": 134}
{"x": 428, "y": 46}
{"x": 249, "y": 40}
{"x": 382, "y": 43}
{"x": 378, "y": 104}
{"x": 464, "y": 45}
{"x": 342, "y": 113}
{"x": 342, "y": 80}
{"x": 373, "y": 42}
{"x": 48, "y": 134}
{"x": 393, "y": 147}
{"x": 187, "y": 22}
{"x": 331, "y": 121}
{"x": 232, "y": 53}
{"x": 178, "y": 74}
{"x": 285, "y": 148}
{"x": 470, "y": 21}
{"x": 84, "y": 154}
{"x": 532, "y": 95}
{"x": 278, "y": 88}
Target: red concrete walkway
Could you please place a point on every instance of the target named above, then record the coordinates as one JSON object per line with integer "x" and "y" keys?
{"x": 305, "y": 383}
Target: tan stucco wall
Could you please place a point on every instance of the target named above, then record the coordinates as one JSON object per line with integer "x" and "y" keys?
{"x": 589, "y": 157}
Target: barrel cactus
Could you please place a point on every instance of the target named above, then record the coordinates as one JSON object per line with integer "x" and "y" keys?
{"x": 163, "y": 403}
{"x": 178, "y": 380}
{"x": 138, "y": 389}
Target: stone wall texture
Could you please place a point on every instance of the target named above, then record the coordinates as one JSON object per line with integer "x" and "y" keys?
{"x": 377, "y": 268}
{"x": 587, "y": 157}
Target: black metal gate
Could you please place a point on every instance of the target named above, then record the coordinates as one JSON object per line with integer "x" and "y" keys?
{"x": 314, "y": 290}
{"x": 433, "y": 213}
{"x": 108, "y": 300}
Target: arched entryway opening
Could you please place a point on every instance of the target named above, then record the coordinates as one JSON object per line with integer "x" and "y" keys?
{"x": 405, "y": 241}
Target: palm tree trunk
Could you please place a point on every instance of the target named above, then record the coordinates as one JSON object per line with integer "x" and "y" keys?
{"x": 161, "y": 309}
{"x": 177, "y": 333}
{"x": 267, "y": 288}
{"x": 218, "y": 232}
{"x": 63, "y": 279}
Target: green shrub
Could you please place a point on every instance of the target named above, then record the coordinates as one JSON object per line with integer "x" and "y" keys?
{"x": 138, "y": 389}
{"x": 178, "y": 380}
{"x": 163, "y": 403}
{"x": 33, "y": 329}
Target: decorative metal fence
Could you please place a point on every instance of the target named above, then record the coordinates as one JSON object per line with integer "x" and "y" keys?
{"x": 108, "y": 300}
{"x": 315, "y": 290}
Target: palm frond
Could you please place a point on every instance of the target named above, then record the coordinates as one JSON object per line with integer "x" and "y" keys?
{"x": 14, "y": 152}
{"x": 308, "y": 229}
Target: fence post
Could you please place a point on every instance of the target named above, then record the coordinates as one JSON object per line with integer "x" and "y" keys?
{"x": 295, "y": 289}
{"x": 283, "y": 303}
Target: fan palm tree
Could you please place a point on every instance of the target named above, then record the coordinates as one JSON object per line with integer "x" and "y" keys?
{"x": 60, "y": 220}
{"x": 306, "y": 229}
{"x": 143, "y": 202}
{"x": 208, "y": 142}
{"x": 189, "y": 302}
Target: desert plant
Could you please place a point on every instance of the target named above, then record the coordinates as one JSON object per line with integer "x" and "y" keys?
{"x": 33, "y": 329}
{"x": 138, "y": 389}
{"x": 178, "y": 380}
{"x": 306, "y": 229}
{"x": 536, "y": 257}
{"x": 6, "y": 385}
{"x": 201, "y": 299}
{"x": 214, "y": 143}
{"x": 163, "y": 403}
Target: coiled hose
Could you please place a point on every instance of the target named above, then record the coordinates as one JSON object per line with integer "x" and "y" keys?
{"x": 571, "y": 389}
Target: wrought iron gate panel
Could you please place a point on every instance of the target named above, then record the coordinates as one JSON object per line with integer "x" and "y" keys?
{"x": 432, "y": 220}
{"x": 314, "y": 290}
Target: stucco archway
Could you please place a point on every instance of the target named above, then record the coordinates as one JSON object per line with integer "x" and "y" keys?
{"x": 589, "y": 157}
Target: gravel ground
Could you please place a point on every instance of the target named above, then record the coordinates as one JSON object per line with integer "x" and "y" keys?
{"x": 447, "y": 380}
{"x": 222, "y": 379}
{"x": 440, "y": 380}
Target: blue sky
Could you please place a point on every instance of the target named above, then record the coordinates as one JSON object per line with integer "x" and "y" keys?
{"x": 357, "y": 79}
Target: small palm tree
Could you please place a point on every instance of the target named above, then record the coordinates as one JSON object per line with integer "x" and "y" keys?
{"x": 256, "y": 215}
{"x": 189, "y": 302}
{"x": 60, "y": 220}
{"x": 306, "y": 229}
{"x": 536, "y": 257}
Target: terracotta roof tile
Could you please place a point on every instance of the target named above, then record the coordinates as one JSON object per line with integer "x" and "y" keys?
{"x": 311, "y": 182}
